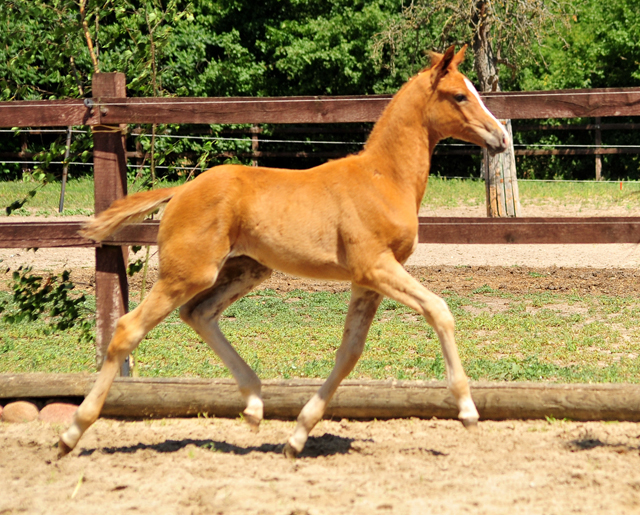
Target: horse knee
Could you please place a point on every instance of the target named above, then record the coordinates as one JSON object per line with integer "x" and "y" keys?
{"x": 128, "y": 333}
{"x": 439, "y": 316}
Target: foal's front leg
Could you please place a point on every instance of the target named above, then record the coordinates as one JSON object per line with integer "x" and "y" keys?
{"x": 392, "y": 280}
{"x": 362, "y": 309}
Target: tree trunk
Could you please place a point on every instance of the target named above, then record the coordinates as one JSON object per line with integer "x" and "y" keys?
{"x": 499, "y": 171}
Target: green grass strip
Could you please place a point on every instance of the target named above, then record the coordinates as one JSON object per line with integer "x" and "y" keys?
{"x": 537, "y": 337}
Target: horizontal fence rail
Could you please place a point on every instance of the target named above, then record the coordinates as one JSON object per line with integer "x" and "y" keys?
{"x": 430, "y": 230}
{"x": 580, "y": 103}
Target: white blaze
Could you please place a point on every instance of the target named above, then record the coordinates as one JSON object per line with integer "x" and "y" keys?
{"x": 474, "y": 91}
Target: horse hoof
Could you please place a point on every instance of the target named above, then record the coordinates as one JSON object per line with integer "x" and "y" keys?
{"x": 63, "y": 449}
{"x": 253, "y": 421}
{"x": 290, "y": 452}
{"x": 470, "y": 423}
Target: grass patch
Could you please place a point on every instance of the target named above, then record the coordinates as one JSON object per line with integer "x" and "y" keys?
{"x": 534, "y": 337}
{"x": 78, "y": 198}
{"x": 452, "y": 193}
{"x": 592, "y": 193}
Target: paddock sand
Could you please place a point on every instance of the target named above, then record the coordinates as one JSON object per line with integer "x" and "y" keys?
{"x": 412, "y": 466}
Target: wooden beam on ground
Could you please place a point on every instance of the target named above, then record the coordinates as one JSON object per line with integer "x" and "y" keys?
{"x": 181, "y": 397}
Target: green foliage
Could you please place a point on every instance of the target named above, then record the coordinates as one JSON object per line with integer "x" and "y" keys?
{"x": 37, "y": 42}
{"x": 18, "y": 204}
{"x": 600, "y": 48}
{"x": 327, "y": 50}
{"x": 137, "y": 265}
{"x": 202, "y": 48}
{"x": 51, "y": 298}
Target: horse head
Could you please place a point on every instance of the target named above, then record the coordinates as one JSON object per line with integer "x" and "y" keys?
{"x": 456, "y": 109}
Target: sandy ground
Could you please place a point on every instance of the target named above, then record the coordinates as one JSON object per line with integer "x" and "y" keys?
{"x": 217, "y": 466}
{"x": 198, "y": 466}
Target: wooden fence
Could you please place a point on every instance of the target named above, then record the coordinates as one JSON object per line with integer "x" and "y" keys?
{"x": 109, "y": 111}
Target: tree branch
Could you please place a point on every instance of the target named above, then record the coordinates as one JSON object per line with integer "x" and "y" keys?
{"x": 87, "y": 35}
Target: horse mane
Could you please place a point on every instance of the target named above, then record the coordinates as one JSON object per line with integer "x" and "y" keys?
{"x": 388, "y": 117}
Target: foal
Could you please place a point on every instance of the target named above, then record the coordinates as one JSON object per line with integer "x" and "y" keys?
{"x": 353, "y": 219}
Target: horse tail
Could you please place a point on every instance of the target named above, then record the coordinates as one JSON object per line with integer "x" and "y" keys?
{"x": 125, "y": 211}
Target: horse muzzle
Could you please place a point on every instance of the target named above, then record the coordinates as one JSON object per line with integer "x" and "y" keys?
{"x": 498, "y": 142}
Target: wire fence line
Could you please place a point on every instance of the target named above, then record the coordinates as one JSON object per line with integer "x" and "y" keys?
{"x": 444, "y": 177}
{"x": 253, "y": 139}
{"x": 250, "y": 139}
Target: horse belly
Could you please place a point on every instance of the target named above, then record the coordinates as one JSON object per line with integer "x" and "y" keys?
{"x": 293, "y": 250}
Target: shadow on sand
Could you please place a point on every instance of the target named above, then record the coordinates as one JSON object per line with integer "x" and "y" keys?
{"x": 325, "y": 445}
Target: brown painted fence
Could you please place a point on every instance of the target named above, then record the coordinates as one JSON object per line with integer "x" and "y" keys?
{"x": 109, "y": 110}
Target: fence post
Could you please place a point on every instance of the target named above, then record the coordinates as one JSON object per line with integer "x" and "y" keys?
{"x": 598, "y": 143}
{"x": 503, "y": 197}
{"x": 110, "y": 183}
{"x": 255, "y": 130}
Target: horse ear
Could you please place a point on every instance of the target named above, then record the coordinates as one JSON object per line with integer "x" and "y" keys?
{"x": 459, "y": 57}
{"x": 441, "y": 62}
{"x": 435, "y": 58}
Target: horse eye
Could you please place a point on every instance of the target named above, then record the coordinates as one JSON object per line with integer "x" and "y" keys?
{"x": 460, "y": 97}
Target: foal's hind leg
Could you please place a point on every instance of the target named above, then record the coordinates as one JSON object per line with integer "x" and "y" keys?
{"x": 392, "y": 280}
{"x": 237, "y": 278}
{"x": 362, "y": 309}
{"x": 130, "y": 330}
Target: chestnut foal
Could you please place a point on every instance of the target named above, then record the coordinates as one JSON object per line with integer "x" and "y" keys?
{"x": 353, "y": 219}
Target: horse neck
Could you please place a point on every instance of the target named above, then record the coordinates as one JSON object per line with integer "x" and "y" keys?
{"x": 401, "y": 142}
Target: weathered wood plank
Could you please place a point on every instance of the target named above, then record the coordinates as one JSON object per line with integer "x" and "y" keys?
{"x": 243, "y": 110}
{"x": 46, "y": 113}
{"x": 144, "y": 233}
{"x": 504, "y": 105}
{"x": 147, "y": 397}
{"x": 577, "y": 103}
{"x": 529, "y": 230}
{"x": 42, "y": 235}
{"x": 577, "y": 151}
{"x": 65, "y": 234}
{"x": 108, "y": 109}
{"x": 430, "y": 230}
